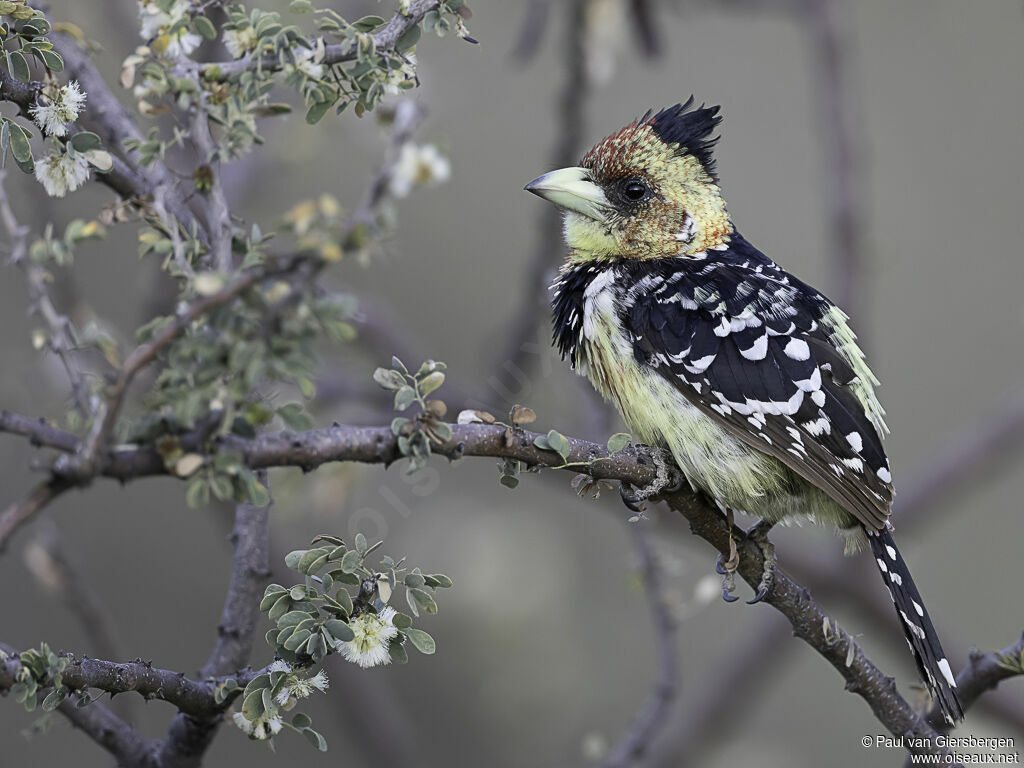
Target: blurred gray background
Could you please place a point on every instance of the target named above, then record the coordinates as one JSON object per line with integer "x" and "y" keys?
{"x": 545, "y": 645}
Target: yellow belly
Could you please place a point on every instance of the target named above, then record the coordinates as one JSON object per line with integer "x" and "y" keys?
{"x": 714, "y": 461}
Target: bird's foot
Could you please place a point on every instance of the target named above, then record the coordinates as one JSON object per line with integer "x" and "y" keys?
{"x": 758, "y": 535}
{"x": 668, "y": 479}
{"x": 726, "y": 568}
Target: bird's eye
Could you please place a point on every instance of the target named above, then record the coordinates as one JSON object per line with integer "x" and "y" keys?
{"x": 635, "y": 190}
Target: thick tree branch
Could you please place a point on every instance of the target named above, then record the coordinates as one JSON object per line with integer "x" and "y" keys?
{"x": 309, "y": 450}
{"x": 110, "y": 732}
{"x": 82, "y": 673}
{"x": 984, "y": 671}
{"x": 191, "y": 733}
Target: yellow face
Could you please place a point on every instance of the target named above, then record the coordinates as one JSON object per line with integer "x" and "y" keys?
{"x": 635, "y": 196}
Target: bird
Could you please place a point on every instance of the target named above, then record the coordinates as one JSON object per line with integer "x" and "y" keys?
{"x": 750, "y": 379}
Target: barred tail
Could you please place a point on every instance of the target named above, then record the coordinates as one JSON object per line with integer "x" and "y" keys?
{"x": 917, "y": 625}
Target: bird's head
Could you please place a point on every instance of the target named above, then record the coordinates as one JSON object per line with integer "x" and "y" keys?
{"x": 648, "y": 191}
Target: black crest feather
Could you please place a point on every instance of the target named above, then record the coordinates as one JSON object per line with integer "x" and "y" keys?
{"x": 691, "y": 129}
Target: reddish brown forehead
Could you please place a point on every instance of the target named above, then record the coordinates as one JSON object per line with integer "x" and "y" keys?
{"x": 633, "y": 149}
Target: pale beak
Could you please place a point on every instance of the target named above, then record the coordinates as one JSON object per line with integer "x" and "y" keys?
{"x": 572, "y": 188}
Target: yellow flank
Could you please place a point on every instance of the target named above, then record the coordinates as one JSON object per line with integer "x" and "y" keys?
{"x": 714, "y": 461}
{"x": 845, "y": 341}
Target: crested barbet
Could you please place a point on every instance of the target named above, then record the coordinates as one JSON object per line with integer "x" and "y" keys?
{"x": 751, "y": 379}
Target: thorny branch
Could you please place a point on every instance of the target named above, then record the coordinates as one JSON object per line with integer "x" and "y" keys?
{"x": 192, "y": 697}
{"x": 633, "y": 465}
{"x": 191, "y": 733}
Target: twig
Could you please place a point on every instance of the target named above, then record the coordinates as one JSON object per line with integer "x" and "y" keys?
{"x": 572, "y": 102}
{"x": 26, "y": 508}
{"x": 190, "y": 734}
{"x": 984, "y": 671}
{"x": 712, "y": 714}
{"x": 61, "y": 339}
{"x": 112, "y": 733}
{"x": 217, "y": 212}
{"x": 38, "y": 431}
{"x": 338, "y": 53}
{"x": 831, "y": 79}
{"x": 654, "y": 716}
{"x": 82, "y": 673}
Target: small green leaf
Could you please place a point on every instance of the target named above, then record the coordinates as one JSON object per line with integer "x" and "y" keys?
{"x": 422, "y": 600}
{"x": 350, "y": 561}
{"x": 424, "y": 643}
{"x": 302, "y": 720}
{"x": 311, "y": 557}
{"x": 431, "y": 382}
{"x": 252, "y": 704}
{"x": 295, "y": 417}
{"x": 85, "y": 141}
{"x": 408, "y": 39}
{"x": 20, "y": 147}
{"x": 316, "y": 111}
{"x": 389, "y": 379}
{"x": 401, "y": 621}
{"x": 51, "y": 60}
{"x": 559, "y": 444}
{"x": 292, "y": 558}
{"x": 368, "y": 23}
{"x": 315, "y": 739}
{"x": 53, "y": 699}
{"x": 361, "y": 546}
{"x": 280, "y": 608}
{"x": 398, "y": 652}
{"x": 297, "y": 639}
{"x": 339, "y": 630}
{"x": 19, "y": 66}
{"x": 204, "y": 27}
{"x": 442, "y": 580}
{"x": 292, "y": 618}
{"x": 618, "y": 441}
{"x": 404, "y": 397}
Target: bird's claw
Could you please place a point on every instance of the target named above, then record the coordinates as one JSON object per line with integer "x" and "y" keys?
{"x": 668, "y": 479}
{"x": 758, "y": 534}
{"x": 728, "y": 579}
{"x": 633, "y": 501}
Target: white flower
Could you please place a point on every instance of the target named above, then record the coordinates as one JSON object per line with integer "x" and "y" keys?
{"x": 279, "y": 666}
{"x": 239, "y": 41}
{"x": 405, "y": 73}
{"x": 264, "y": 727}
{"x": 62, "y": 106}
{"x": 297, "y": 687}
{"x": 60, "y": 172}
{"x": 304, "y": 64}
{"x": 153, "y": 23}
{"x": 182, "y": 44}
{"x": 372, "y": 632}
{"x": 418, "y": 165}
